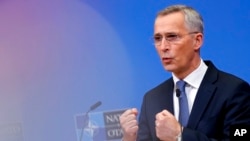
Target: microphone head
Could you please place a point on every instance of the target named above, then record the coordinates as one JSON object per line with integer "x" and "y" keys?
{"x": 178, "y": 92}
{"x": 97, "y": 104}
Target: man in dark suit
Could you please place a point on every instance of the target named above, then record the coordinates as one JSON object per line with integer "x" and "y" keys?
{"x": 199, "y": 102}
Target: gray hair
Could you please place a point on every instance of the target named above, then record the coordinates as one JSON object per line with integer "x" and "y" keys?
{"x": 193, "y": 20}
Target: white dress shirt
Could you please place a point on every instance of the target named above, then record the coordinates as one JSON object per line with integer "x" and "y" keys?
{"x": 193, "y": 81}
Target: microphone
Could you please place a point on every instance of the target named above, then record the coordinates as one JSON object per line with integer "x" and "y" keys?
{"x": 178, "y": 92}
{"x": 93, "y": 107}
{"x": 86, "y": 117}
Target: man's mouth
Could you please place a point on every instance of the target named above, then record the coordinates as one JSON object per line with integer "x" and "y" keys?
{"x": 166, "y": 60}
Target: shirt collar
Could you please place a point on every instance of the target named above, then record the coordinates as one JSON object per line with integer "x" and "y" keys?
{"x": 194, "y": 78}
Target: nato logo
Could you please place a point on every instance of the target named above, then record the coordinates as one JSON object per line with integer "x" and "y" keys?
{"x": 99, "y": 126}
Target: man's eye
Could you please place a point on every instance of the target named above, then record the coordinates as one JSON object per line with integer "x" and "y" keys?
{"x": 158, "y": 38}
{"x": 171, "y": 37}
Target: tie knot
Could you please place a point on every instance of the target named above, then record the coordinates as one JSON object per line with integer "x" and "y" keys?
{"x": 181, "y": 85}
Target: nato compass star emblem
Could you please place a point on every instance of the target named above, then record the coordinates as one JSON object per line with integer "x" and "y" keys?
{"x": 91, "y": 129}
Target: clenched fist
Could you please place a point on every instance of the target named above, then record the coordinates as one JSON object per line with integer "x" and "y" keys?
{"x": 166, "y": 126}
{"x": 129, "y": 124}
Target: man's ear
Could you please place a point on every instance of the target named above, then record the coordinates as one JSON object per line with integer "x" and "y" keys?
{"x": 198, "y": 41}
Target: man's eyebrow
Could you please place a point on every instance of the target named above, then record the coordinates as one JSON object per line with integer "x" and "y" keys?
{"x": 157, "y": 34}
{"x": 166, "y": 33}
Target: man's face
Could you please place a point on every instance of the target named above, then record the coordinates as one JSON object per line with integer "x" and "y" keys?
{"x": 181, "y": 52}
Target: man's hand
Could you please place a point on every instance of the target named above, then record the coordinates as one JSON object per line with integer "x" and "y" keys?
{"x": 166, "y": 126}
{"x": 129, "y": 124}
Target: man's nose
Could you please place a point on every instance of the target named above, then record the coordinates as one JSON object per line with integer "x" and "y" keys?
{"x": 164, "y": 44}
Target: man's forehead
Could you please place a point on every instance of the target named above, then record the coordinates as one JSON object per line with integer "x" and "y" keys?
{"x": 171, "y": 23}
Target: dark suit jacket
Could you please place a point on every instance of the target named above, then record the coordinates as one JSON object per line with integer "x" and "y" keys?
{"x": 221, "y": 101}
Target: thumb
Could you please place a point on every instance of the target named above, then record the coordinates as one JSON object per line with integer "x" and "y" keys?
{"x": 134, "y": 111}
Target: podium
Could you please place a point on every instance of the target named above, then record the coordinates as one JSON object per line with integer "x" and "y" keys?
{"x": 99, "y": 126}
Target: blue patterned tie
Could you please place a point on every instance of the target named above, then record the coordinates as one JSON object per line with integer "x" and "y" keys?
{"x": 183, "y": 103}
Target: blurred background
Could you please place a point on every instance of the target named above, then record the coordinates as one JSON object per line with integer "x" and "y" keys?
{"x": 59, "y": 57}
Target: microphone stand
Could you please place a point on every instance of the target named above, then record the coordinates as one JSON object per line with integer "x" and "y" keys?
{"x": 86, "y": 117}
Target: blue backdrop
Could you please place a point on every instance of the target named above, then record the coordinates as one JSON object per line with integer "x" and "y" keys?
{"x": 58, "y": 57}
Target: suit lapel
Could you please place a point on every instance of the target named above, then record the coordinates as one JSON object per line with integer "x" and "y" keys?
{"x": 169, "y": 103}
{"x": 204, "y": 95}
{"x": 201, "y": 101}
{"x": 166, "y": 97}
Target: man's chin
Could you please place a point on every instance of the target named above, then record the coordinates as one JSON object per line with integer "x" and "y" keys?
{"x": 169, "y": 68}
